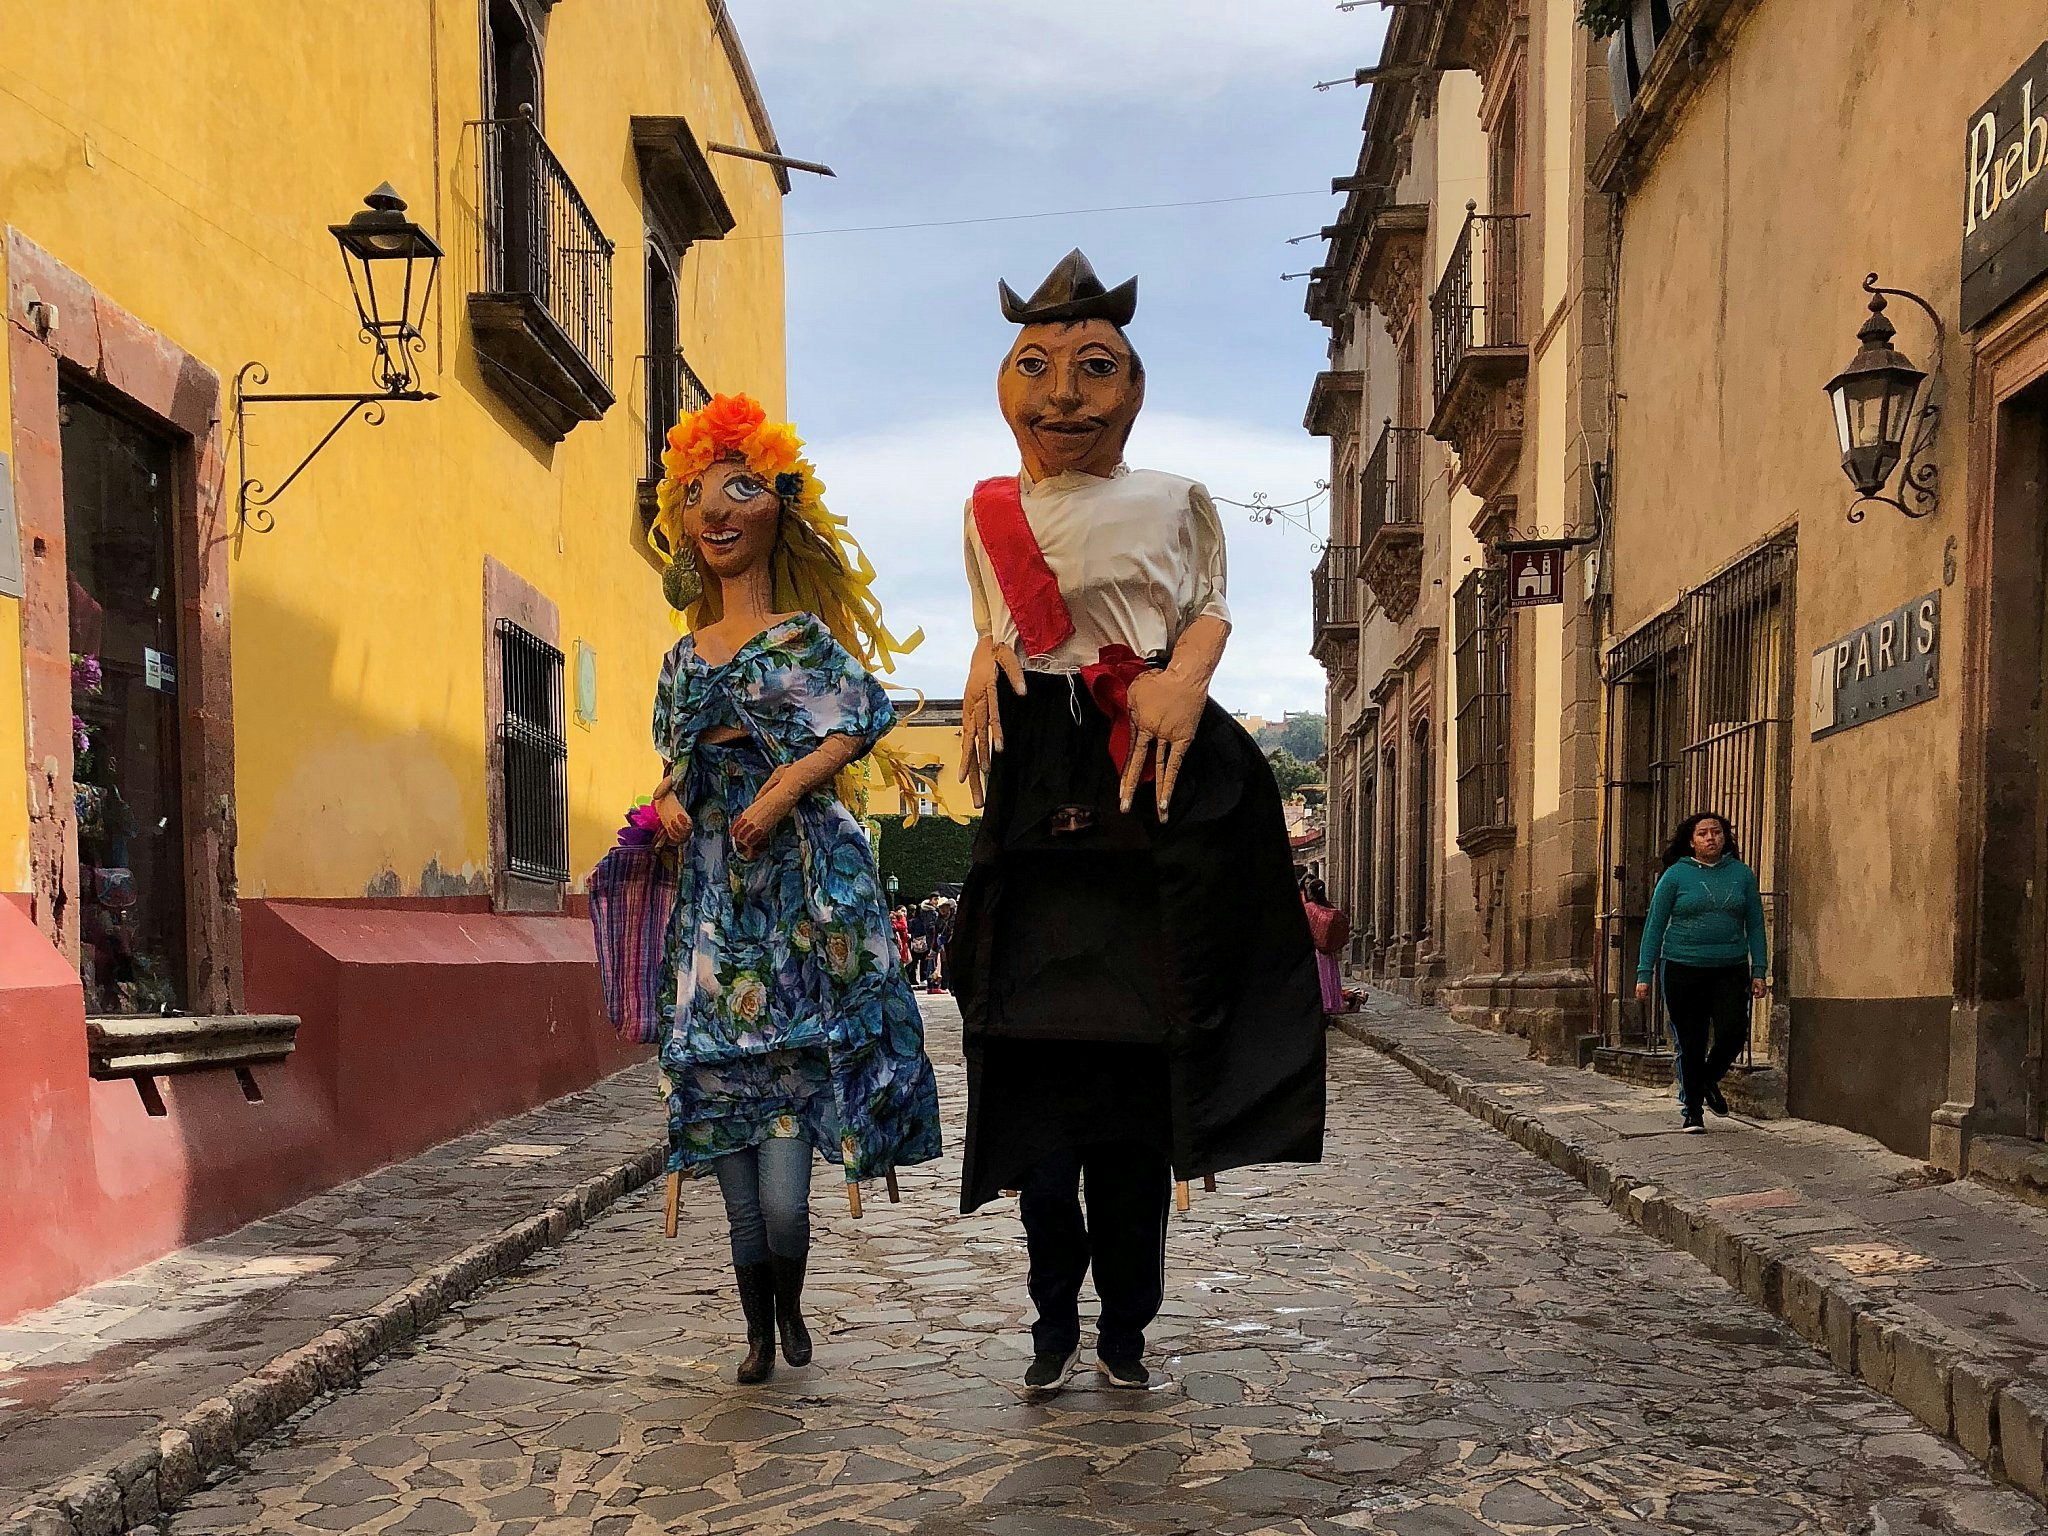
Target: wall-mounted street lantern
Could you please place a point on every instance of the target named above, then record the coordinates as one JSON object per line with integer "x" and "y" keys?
{"x": 391, "y": 264}
{"x": 1874, "y": 398}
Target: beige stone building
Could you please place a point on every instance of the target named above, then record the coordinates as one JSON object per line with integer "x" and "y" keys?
{"x": 1863, "y": 694}
{"x": 1467, "y": 406}
{"x": 1632, "y": 335}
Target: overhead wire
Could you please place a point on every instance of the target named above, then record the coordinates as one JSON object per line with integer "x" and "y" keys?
{"x": 1012, "y": 218}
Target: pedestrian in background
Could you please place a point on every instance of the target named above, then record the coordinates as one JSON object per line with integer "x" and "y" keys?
{"x": 1704, "y": 942}
{"x": 1330, "y": 930}
{"x": 899, "y": 923}
{"x": 941, "y": 938}
{"x": 919, "y": 927}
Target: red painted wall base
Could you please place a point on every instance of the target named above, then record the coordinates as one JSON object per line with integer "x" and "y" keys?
{"x": 418, "y": 1025}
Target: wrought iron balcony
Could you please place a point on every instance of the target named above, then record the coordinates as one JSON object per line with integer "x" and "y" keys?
{"x": 1392, "y": 494}
{"x": 672, "y": 388}
{"x": 1390, "y": 521}
{"x": 1339, "y": 601}
{"x": 1482, "y": 348}
{"x": 541, "y": 313}
{"x": 1478, "y": 301}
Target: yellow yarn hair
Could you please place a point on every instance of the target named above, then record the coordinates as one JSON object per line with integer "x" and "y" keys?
{"x": 818, "y": 566}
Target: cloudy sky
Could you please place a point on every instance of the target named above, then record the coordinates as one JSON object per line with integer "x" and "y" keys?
{"x": 938, "y": 110}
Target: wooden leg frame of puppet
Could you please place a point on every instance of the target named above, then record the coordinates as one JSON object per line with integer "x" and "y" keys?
{"x": 1182, "y": 1199}
{"x": 853, "y": 1193}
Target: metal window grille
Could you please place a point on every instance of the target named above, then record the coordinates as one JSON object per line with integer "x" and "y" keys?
{"x": 1421, "y": 822}
{"x": 536, "y": 756}
{"x": 1481, "y": 639}
{"x": 1478, "y": 300}
{"x": 1699, "y": 718}
{"x": 541, "y": 239}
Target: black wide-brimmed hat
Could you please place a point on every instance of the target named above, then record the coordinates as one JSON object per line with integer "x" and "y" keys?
{"x": 1072, "y": 291}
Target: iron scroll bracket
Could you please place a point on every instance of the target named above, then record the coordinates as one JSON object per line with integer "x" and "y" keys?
{"x": 254, "y": 498}
{"x": 1919, "y": 479}
{"x": 1566, "y": 540}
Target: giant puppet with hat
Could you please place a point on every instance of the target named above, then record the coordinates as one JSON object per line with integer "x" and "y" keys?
{"x": 1137, "y": 984}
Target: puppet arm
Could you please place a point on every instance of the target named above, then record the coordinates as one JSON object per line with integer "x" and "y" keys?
{"x": 980, "y": 718}
{"x": 787, "y": 785}
{"x": 1166, "y": 707}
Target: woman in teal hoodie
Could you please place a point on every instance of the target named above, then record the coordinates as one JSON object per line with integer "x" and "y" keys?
{"x": 1706, "y": 927}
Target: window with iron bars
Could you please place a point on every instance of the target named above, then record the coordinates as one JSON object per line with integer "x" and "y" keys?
{"x": 1699, "y": 717}
{"x": 1481, "y": 636}
{"x": 535, "y": 756}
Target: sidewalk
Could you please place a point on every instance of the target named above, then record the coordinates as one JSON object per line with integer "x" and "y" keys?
{"x": 171, "y": 1368}
{"x": 1932, "y": 1291}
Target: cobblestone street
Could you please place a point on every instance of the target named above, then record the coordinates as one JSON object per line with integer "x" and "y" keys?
{"x": 1430, "y": 1333}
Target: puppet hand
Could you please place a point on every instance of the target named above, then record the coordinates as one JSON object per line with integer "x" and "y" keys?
{"x": 1165, "y": 710}
{"x": 752, "y": 828}
{"x": 1757, "y": 987}
{"x": 981, "y": 725}
{"x": 675, "y": 821}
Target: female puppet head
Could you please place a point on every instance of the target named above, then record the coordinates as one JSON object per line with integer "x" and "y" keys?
{"x": 735, "y": 492}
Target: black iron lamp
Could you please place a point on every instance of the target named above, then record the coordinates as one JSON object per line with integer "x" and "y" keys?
{"x": 391, "y": 264}
{"x": 381, "y": 245}
{"x": 1874, "y": 399}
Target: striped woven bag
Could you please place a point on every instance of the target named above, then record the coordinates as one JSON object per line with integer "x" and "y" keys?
{"x": 632, "y": 892}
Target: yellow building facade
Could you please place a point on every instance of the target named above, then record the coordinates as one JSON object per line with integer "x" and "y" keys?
{"x": 190, "y": 174}
{"x": 927, "y": 737}
{"x": 323, "y": 776}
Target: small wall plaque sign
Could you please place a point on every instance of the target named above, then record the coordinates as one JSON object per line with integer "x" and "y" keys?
{"x": 1890, "y": 664}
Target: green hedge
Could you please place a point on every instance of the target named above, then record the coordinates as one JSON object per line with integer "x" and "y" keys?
{"x": 933, "y": 852}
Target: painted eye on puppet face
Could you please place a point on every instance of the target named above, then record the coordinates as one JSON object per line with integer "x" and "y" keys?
{"x": 1031, "y": 365}
{"x": 744, "y": 488}
{"x": 1100, "y": 367}
{"x": 693, "y": 493}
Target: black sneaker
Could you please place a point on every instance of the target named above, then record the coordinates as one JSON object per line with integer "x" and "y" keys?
{"x": 1049, "y": 1372}
{"x": 1714, "y": 1100}
{"x": 1693, "y": 1124}
{"x": 1130, "y": 1374}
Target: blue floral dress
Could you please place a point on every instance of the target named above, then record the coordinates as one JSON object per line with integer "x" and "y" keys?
{"x": 785, "y": 1011}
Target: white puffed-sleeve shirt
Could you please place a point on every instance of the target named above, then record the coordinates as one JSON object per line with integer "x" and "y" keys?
{"x": 1139, "y": 557}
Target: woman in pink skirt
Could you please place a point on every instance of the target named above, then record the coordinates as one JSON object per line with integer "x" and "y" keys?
{"x": 1331, "y": 931}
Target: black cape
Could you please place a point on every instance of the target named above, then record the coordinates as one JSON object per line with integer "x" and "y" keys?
{"x": 1133, "y": 981}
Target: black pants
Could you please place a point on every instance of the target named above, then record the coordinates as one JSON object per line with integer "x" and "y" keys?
{"x": 1708, "y": 1007}
{"x": 1123, "y": 1237}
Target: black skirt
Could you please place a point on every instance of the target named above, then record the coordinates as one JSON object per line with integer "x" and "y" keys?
{"x": 1127, "y": 979}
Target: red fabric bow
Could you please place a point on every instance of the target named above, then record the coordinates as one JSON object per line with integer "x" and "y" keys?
{"x": 1109, "y": 681}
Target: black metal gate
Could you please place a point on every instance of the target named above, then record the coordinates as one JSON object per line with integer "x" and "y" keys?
{"x": 1699, "y": 711}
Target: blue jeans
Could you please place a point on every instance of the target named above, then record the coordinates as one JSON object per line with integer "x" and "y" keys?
{"x": 767, "y": 1189}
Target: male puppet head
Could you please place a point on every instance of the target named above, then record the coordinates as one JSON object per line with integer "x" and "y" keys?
{"x": 1072, "y": 386}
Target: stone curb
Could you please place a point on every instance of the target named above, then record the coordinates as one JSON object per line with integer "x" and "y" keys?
{"x": 1981, "y": 1400}
{"x": 148, "y": 1478}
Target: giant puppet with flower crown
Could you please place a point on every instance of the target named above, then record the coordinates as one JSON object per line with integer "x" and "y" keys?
{"x": 776, "y": 995}
{"x": 1138, "y": 988}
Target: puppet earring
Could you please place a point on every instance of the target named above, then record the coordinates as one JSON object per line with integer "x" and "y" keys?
{"x": 682, "y": 583}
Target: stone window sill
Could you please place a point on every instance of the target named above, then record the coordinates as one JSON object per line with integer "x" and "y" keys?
{"x": 149, "y": 1045}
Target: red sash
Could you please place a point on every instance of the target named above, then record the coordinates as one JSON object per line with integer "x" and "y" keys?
{"x": 1040, "y": 612}
{"x": 1028, "y": 584}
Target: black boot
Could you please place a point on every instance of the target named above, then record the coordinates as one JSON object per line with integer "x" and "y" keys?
{"x": 757, "y": 1300}
{"x": 789, "y": 1317}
